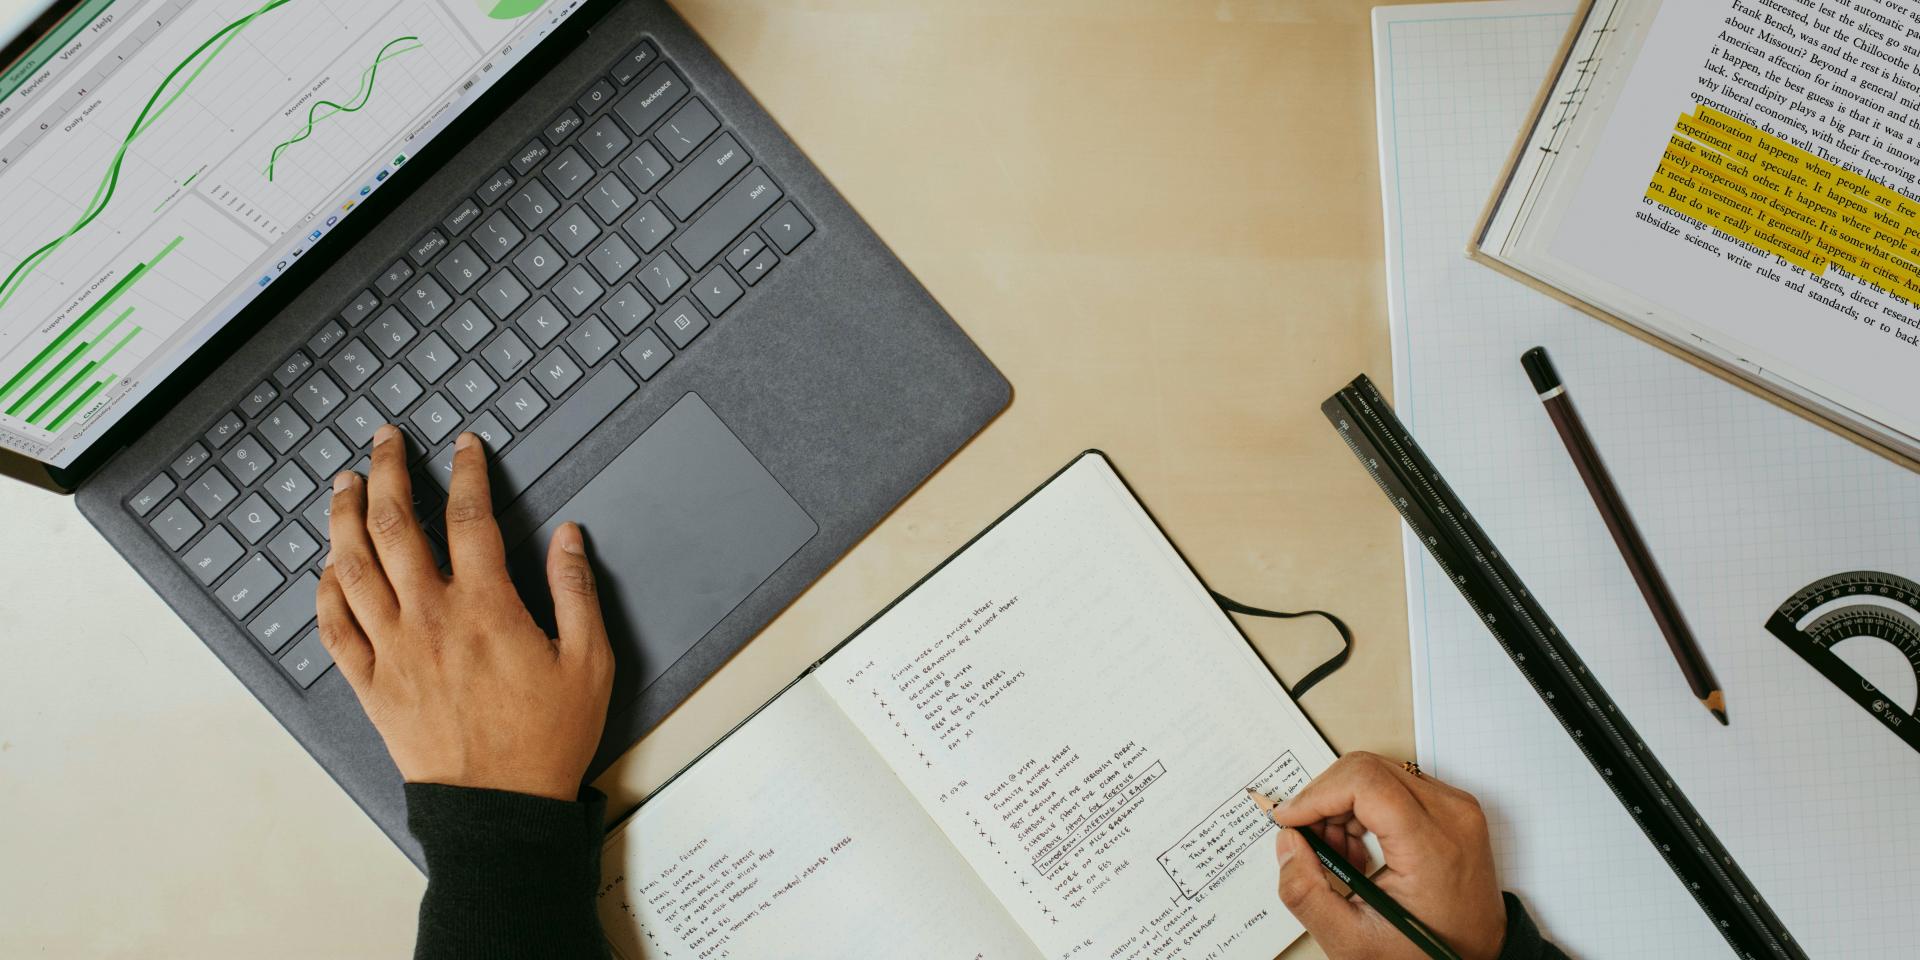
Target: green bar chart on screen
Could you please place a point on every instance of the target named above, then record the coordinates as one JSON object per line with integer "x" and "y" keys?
{"x": 44, "y": 382}
{"x": 115, "y": 325}
{"x": 110, "y": 354}
{"x": 68, "y": 413}
{"x": 162, "y": 255}
{"x": 70, "y": 335}
{"x": 62, "y": 393}
{"x": 40, "y": 413}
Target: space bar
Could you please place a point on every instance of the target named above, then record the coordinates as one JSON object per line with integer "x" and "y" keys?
{"x": 538, "y": 451}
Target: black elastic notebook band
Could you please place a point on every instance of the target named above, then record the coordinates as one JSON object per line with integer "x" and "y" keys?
{"x": 1318, "y": 673}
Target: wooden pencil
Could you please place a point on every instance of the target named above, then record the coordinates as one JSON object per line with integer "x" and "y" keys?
{"x": 1626, "y": 536}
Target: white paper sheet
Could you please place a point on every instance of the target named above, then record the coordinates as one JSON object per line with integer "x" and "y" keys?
{"x": 1741, "y": 502}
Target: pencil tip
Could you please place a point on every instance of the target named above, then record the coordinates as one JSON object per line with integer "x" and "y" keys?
{"x": 1717, "y": 703}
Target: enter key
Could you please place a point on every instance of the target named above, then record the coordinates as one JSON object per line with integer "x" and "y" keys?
{"x": 704, "y": 176}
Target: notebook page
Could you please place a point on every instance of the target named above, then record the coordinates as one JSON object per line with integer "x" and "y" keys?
{"x": 792, "y": 839}
{"x": 1741, "y": 503}
{"x": 1079, "y": 716}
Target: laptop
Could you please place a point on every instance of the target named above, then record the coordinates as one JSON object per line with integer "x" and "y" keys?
{"x": 242, "y": 234}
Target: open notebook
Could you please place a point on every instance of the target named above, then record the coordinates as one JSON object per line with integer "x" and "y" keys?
{"x": 1040, "y": 751}
{"x": 1741, "y": 502}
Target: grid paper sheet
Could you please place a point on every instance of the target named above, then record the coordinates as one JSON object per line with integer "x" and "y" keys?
{"x": 1741, "y": 502}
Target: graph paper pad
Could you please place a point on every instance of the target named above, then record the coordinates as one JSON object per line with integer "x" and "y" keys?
{"x": 1741, "y": 503}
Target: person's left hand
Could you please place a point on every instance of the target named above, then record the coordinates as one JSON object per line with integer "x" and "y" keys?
{"x": 461, "y": 683}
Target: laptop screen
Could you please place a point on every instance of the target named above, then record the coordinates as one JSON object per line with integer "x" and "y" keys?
{"x": 163, "y": 161}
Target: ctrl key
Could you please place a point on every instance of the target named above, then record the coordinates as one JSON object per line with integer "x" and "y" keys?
{"x": 307, "y": 660}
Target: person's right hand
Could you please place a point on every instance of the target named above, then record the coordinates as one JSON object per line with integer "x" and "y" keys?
{"x": 466, "y": 689}
{"x": 1439, "y": 861}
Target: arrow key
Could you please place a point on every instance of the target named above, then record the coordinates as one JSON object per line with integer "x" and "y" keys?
{"x": 788, "y": 226}
{"x": 717, "y": 291}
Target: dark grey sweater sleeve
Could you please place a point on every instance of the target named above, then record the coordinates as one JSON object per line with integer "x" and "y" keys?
{"x": 1523, "y": 938}
{"x": 508, "y": 875}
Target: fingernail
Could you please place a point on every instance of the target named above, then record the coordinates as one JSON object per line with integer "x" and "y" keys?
{"x": 342, "y": 480}
{"x": 464, "y": 441}
{"x": 570, "y": 539}
{"x": 386, "y": 432}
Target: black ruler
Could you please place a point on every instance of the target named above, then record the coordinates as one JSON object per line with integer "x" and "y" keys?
{"x": 1849, "y": 614}
{"x": 1471, "y": 560}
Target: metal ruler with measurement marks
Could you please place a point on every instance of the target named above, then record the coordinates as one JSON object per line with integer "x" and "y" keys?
{"x": 1547, "y": 660}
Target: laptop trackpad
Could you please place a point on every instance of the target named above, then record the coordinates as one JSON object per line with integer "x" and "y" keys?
{"x": 681, "y": 527}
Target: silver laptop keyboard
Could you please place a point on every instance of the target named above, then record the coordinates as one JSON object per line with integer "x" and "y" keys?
{"x": 564, "y": 282}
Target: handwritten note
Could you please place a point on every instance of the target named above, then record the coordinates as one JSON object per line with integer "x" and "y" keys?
{"x": 1219, "y": 842}
{"x": 1032, "y": 755}
{"x": 778, "y": 844}
{"x": 1069, "y": 705}
{"x": 706, "y": 897}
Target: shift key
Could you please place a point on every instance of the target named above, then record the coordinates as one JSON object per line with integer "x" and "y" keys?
{"x": 287, "y": 615}
{"x": 729, "y": 217}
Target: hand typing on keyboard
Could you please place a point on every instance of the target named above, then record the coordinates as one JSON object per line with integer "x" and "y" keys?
{"x": 465, "y": 688}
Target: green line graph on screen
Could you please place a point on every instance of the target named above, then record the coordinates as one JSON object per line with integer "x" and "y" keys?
{"x": 149, "y": 114}
{"x": 362, "y": 96}
{"x": 235, "y": 132}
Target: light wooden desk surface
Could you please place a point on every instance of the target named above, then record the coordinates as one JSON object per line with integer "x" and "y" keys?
{"x": 1161, "y": 218}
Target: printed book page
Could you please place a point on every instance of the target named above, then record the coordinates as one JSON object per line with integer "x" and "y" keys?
{"x": 1082, "y": 721}
{"x": 793, "y": 839}
{"x": 1756, "y": 177}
